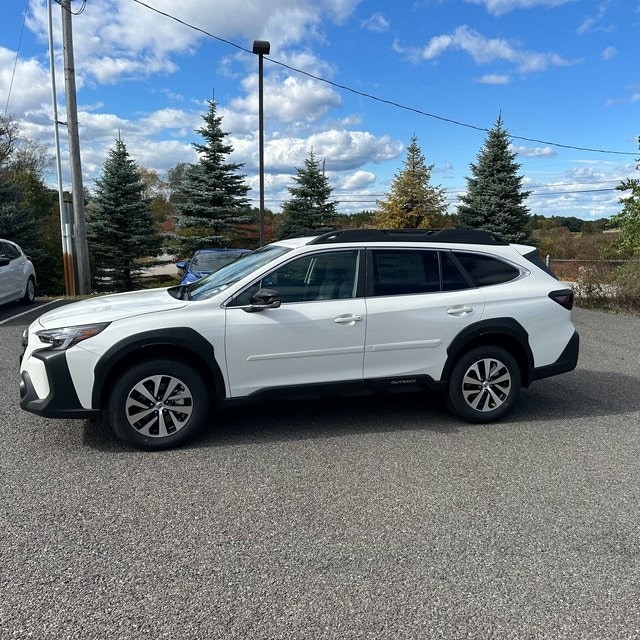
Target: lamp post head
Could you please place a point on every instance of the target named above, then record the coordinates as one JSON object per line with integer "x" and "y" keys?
{"x": 261, "y": 47}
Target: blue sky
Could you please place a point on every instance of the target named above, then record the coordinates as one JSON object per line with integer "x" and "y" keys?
{"x": 562, "y": 73}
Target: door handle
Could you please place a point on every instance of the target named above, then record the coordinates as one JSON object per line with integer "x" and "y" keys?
{"x": 461, "y": 310}
{"x": 347, "y": 319}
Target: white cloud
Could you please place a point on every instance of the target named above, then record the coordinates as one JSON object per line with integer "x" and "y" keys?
{"x": 293, "y": 100}
{"x": 33, "y": 87}
{"x": 485, "y": 50}
{"x": 595, "y": 22}
{"x": 609, "y": 53}
{"x": 494, "y": 78}
{"x": 376, "y": 22}
{"x": 357, "y": 180}
{"x": 500, "y": 7}
{"x": 341, "y": 149}
{"x": 634, "y": 97}
{"x": 121, "y": 38}
{"x": 534, "y": 152}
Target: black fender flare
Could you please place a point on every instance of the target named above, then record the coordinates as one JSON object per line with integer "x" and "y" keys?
{"x": 184, "y": 338}
{"x": 499, "y": 331}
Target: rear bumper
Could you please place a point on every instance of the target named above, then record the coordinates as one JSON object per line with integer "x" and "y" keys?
{"x": 567, "y": 361}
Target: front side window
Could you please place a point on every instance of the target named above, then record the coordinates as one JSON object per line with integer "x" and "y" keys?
{"x": 322, "y": 276}
{"x": 218, "y": 281}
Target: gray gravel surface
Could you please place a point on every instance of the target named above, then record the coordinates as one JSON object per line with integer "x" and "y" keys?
{"x": 370, "y": 518}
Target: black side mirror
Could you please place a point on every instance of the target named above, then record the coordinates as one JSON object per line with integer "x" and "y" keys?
{"x": 4, "y": 262}
{"x": 264, "y": 299}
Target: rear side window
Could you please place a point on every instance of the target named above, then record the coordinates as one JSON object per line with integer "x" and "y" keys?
{"x": 486, "y": 270}
{"x": 399, "y": 272}
{"x": 452, "y": 278}
{"x": 534, "y": 258}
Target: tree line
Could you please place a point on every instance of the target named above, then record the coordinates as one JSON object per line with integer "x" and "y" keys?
{"x": 133, "y": 216}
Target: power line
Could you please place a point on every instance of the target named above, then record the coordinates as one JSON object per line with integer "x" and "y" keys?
{"x": 68, "y": 9}
{"x": 360, "y": 198}
{"x": 15, "y": 63}
{"x": 377, "y": 98}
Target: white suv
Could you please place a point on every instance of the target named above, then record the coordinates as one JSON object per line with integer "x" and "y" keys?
{"x": 348, "y": 311}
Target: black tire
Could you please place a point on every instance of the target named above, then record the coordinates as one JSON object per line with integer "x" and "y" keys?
{"x": 29, "y": 292}
{"x": 158, "y": 404}
{"x": 484, "y": 384}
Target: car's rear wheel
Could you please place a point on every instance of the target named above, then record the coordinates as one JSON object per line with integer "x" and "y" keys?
{"x": 158, "y": 404}
{"x": 29, "y": 292}
{"x": 484, "y": 384}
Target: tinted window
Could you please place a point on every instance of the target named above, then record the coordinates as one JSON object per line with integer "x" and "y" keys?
{"x": 225, "y": 277}
{"x": 534, "y": 257}
{"x": 486, "y": 270}
{"x": 404, "y": 271}
{"x": 452, "y": 278}
{"x": 322, "y": 276}
{"x": 8, "y": 251}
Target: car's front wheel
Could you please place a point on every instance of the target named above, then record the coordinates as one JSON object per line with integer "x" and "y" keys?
{"x": 484, "y": 384}
{"x": 158, "y": 404}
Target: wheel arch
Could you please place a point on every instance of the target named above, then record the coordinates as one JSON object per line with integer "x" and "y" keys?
{"x": 500, "y": 332}
{"x": 181, "y": 343}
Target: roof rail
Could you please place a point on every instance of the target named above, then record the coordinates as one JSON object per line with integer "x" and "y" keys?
{"x": 462, "y": 236}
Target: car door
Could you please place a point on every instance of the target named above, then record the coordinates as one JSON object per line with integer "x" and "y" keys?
{"x": 317, "y": 334}
{"x": 10, "y": 274}
{"x": 417, "y": 302}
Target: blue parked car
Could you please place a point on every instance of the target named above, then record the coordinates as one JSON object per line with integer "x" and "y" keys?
{"x": 206, "y": 261}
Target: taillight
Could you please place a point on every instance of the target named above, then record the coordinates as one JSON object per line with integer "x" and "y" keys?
{"x": 564, "y": 297}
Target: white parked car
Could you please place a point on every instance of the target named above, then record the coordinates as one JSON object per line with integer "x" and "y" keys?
{"x": 17, "y": 274}
{"x": 354, "y": 311}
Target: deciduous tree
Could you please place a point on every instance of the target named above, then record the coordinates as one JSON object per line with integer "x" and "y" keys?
{"x": 629, "y": 218}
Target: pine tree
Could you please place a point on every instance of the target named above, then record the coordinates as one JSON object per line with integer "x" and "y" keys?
{"x": 120, "y": 227}
{"x": 212, "y": 196}
{"x": 309, "y": 209}
{"x": 413, "y": 203}
{"x": 494, "y": 198}
{"x": 16, "y": 220}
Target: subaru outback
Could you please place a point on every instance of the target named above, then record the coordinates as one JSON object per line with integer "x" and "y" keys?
{"x": 354, "y": 311}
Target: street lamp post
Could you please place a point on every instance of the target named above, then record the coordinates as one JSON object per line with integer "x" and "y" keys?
{"x": 262, "y": 48}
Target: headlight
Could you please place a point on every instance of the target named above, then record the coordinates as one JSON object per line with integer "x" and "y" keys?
{"x": 65, "y": 337}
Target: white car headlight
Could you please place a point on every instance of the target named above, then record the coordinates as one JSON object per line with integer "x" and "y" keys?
{"x": 65, "y": 337}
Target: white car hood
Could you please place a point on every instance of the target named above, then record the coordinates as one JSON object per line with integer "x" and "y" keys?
{"x": 111, "y": 307}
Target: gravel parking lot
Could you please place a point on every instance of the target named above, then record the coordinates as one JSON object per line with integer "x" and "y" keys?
{"x": 379, "y": 518}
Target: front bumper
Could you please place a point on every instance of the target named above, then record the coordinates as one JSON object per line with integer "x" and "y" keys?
{"x": 62, "y": 400}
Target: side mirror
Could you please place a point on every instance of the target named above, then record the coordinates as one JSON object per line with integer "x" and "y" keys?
{"x": 4, "y": 262}
{"x": 264, "y": 299}
{"x": 182, "y": 265}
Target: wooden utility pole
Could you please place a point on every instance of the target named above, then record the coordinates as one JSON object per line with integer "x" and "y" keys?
{"x": 80, "y": 226}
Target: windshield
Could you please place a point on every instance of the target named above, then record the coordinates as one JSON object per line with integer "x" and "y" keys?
{"x": 212, "y": 261}
{"x": 213, "y": 284}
